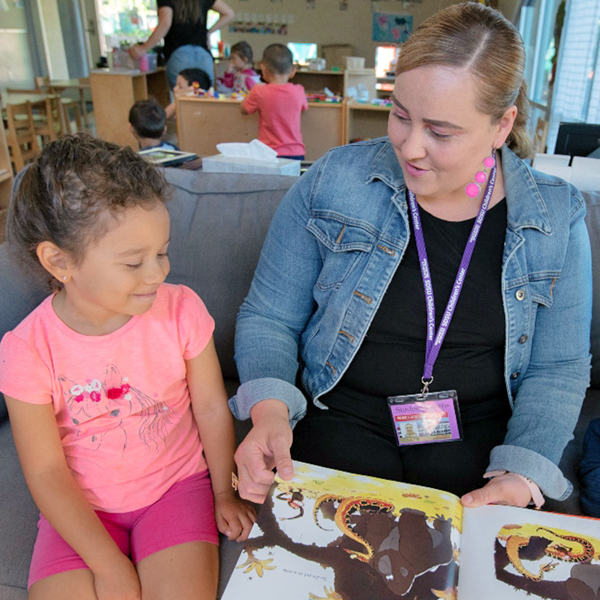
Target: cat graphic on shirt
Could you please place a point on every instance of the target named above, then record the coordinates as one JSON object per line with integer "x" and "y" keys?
{"x": 97, "y": 409}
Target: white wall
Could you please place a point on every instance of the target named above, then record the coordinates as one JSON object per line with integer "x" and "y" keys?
{"x": 15, "y": 56}
{"x": 326, "y": 24}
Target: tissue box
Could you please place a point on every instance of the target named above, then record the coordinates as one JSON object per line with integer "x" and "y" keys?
{"x": 231, "y": 164}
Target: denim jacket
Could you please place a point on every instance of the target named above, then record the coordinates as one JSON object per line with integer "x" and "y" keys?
{"x": 331, "y": 252}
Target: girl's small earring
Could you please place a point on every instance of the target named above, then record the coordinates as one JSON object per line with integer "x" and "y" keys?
{"x": 64, "y": 277}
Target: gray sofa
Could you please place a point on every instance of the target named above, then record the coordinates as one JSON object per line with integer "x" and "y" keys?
{"x": 218, "y": 223}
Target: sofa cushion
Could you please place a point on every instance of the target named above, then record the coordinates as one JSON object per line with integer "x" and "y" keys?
{"x": 218, "y": 224}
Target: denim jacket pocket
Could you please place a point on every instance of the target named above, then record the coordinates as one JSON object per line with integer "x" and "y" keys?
{"x": 342, "y": 243}
{"x": 541, "y": 289}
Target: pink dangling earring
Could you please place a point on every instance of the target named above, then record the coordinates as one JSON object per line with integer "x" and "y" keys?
{"x": 474, "y": 189}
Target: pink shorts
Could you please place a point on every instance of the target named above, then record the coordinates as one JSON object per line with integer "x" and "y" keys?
{"x": 184, "y": 514}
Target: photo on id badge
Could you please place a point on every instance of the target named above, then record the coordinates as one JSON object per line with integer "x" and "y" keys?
{"x": 426, "y": 418}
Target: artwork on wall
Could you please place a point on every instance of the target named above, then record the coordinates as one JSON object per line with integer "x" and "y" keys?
{"x": 391, "y": 28}
{"x": 310, "y": 4}
{"x": 343, "y": 4}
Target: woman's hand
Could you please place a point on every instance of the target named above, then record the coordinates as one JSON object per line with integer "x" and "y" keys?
{"x": 118, "y": 580}
{"x": 234, "y": 516}
{"x": 136, "y": 52}
{"x": 265, "y": 447}
{"x": 165, "y": 20}
{"x": 505, "y": 489}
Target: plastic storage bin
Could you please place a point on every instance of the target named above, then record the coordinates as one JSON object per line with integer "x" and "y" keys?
{"x": 354, "y": 63}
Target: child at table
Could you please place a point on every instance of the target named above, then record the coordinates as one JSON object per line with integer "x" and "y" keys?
{"x": 185, "y": 84}
{"x": 240, "y": 75}
{"x": 148, "y": 124}
{"x": 279, "y": 104}
{"x": 113, "y": 386}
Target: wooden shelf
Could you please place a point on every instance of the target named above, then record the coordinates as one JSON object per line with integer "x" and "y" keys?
{"x": 202, "y": 123}
{"x": 115, "y": 91}
{"x": 366, "y": 121}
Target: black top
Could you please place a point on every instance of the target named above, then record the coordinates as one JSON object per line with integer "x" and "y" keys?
{"x": 471, "y": 360}
{"x": 182, "y": 34}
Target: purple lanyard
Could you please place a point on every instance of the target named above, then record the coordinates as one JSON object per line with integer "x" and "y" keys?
{"x": 435, "y": 340}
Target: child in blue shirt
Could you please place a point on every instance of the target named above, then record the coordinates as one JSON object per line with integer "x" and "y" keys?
{"x": 147, "y": 123}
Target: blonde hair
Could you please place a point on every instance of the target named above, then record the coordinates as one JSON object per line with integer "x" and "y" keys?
{"x": 481, "y": 40}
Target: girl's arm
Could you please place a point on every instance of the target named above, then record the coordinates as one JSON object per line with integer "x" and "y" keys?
{"x": 165, "y": 20}
{"x": 62, "y": 502}
{"x": 215, "y": 424}
{"x": 227, "y": 14}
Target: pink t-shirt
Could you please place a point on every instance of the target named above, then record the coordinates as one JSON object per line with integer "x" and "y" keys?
{"x": 243, "y": 80}
{"x": 279, "y": 109}
{"x": 121, "y": 400}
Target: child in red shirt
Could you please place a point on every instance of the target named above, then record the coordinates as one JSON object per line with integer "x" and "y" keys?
{"x": 279, "y": 104}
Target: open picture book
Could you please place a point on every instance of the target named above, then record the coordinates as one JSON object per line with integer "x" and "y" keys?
{"x": 330, "y": 535}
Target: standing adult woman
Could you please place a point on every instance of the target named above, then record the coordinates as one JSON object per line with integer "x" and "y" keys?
{"x": 182, "y": 24}
{"x": 429, "y": 261}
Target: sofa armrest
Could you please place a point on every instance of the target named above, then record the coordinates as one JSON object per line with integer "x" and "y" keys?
{"x": 20, "y": 293}
{"x": 592, "y": 220}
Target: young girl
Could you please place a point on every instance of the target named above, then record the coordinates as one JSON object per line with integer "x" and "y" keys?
{"x": 114, "y": 390}
{"x": 240, "y": 76}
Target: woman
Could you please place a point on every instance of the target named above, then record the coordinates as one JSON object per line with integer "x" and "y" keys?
{"x": 349, "y": 298}
{"x": 182, "y": 24}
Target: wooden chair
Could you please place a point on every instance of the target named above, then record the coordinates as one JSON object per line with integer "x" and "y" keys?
{"x": 21, "y": 137}
{"x": 44, "y": 85}
{"x": 50, "y": 123}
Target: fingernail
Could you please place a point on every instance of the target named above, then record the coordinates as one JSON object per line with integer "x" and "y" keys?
{"x": 228, "y": 532}
{"x": 287, "y": 473}
{"x": 467, "y": 499}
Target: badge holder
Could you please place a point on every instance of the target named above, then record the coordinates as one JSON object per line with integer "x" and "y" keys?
{"x": 426, "y": 418}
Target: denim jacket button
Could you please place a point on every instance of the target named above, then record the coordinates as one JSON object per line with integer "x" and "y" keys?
{"x": 523, "y": 339}
{"x": 515, "y": 375}
{"x": 520, "y": 294}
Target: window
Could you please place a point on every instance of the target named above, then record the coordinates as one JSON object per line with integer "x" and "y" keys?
{"x": 385, "y": 60}
{"x": 127, "y": 22}
{"x": 303, "y": 53}
{"x": 577, "y": 87}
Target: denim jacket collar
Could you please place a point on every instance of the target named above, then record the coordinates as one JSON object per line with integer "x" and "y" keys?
{"x": 385, "y": 166}
{"x": 518, "y": 181}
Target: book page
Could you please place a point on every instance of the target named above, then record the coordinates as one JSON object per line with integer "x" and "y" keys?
{"x": 330, "y": 535}
{"x": 516, "y": 553}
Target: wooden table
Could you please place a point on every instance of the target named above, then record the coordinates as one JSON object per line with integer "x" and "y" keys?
{"x": 21, "y": 98}
{"x": 202, "y": 123}
{"x": 114, "y": 91}
{"x": 60, "y": 85}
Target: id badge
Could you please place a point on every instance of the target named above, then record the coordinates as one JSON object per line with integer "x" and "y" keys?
{"x": 426, "y": 418}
